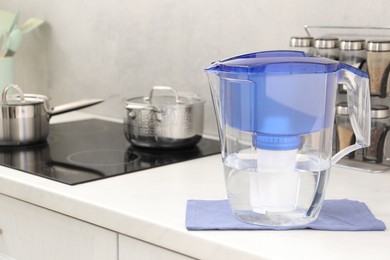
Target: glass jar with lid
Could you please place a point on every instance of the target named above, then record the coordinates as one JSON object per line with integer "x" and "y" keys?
{"x": 344, "y": 132}
{"x": 327, "y": 47}
{"x": 379, "y": 126}
{"x": 352, "y": 52}
{"x": 378, "y": 65}
{"x": 304, "y": 43}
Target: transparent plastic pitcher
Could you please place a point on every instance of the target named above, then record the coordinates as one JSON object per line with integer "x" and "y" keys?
{"x": 275, "y": 114}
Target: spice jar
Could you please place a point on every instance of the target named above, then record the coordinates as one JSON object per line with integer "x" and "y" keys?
{"x": 352, "y": 52}
{"x": 304, "y": 44}
{"x": 379, "y": 127}
{"x": 327, "y": 47}
{"x": 378, "y": 65}
{"x": 344, "y": 132}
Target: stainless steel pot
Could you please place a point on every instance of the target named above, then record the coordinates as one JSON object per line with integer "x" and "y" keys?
{"x": 25, "y": 117}
{"x": 164, "y": 121}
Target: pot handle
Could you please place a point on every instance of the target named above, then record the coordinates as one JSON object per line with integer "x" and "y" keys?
{"x": 15, "y": 87}
{"x": 165, "y": 88}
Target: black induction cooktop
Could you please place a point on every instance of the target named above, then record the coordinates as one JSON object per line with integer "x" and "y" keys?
{"x": 89, "y": 150}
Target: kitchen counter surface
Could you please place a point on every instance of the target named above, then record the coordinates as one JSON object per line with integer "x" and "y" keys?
{"x": 150, "y": 205}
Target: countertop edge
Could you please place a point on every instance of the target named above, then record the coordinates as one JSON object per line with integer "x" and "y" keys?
{"x": 113, "y": 220}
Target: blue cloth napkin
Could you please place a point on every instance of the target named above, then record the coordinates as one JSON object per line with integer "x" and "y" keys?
{"x": 335, "y": 215}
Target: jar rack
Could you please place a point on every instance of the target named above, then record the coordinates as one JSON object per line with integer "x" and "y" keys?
{"x": 366, "y": 33}
{"x": 361, "y": 30}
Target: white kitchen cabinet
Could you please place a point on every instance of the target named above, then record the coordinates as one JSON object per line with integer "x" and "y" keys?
{"x": 30, "y": 232}
{"x": 134, "y": 249}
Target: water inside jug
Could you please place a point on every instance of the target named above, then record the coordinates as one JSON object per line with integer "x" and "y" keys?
{"x": 275, "y": 112}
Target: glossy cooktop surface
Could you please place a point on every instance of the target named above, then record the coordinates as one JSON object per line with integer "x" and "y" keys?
{"x": 88, "y": 150}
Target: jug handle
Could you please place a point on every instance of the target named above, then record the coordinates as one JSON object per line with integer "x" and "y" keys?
{"x": 359, "y": 106}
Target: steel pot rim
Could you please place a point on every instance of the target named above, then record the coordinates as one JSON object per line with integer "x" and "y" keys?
{"x": 179, "y": 100}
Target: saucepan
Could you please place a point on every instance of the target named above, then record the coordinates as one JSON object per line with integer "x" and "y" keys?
{"x": 166, "y": 120}
{"x": 25, "y": 117}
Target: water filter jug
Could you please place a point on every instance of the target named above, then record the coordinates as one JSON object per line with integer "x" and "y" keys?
{"x": 275, "y": 112}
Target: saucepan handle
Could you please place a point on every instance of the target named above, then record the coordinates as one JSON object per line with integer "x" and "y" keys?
{"x": 74, "y": 106}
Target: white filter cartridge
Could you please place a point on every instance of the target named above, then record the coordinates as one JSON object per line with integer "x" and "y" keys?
{"x": 274, "y": 187}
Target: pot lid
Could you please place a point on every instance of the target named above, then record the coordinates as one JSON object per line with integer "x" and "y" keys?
{"x": 19, "y": 98}
{"x": 275, "y": 62}
{"x": 30, "y": 100}
{"x": 170, "y": 98}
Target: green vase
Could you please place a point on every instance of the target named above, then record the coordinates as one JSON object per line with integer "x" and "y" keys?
{"x": 6, "y": 72}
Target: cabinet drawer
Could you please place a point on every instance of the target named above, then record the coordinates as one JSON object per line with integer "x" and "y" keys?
{"x": 29, "y": 232}
{"x": 134, "y": 249}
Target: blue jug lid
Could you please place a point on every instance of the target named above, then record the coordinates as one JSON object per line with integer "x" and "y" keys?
{"x": 278, "y": 62}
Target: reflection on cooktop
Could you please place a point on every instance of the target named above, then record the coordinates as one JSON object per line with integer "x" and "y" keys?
{"x": 102, "y": 157}
{"x": 89, "y": 150}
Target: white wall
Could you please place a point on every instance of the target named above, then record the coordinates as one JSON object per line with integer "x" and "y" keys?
{"x": 117, "y": 49}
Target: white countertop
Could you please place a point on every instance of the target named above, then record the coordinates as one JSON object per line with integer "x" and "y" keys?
{"x": 150, "y": 205}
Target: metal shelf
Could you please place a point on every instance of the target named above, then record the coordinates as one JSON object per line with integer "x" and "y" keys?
{"x": 308, "y": 27}
{"x": 366, "y": 33}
